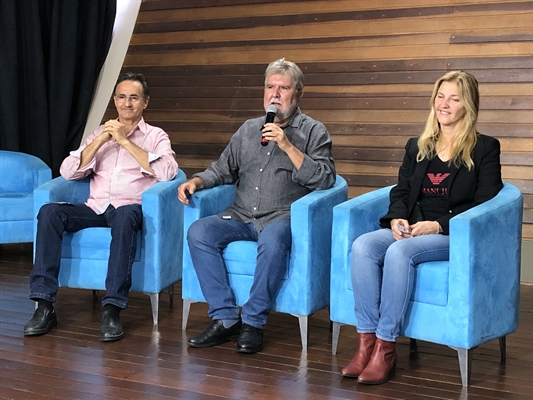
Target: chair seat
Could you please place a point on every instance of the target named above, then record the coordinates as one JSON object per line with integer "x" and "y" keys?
{"x": 431, "y": 283}
{"x": 92, "y": 244}
{"x": 16, "y": 206}
{"x": 240, "y": 257}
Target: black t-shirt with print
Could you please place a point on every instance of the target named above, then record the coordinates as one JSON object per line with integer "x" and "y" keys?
{"x": 433, "y": 197}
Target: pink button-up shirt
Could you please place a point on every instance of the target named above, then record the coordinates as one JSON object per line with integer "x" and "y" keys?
{"x": 117, "y": 178}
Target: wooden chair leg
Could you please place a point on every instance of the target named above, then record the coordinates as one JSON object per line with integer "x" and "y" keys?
{"x": 413, "y": 346}
{"x": 171, "y": 294}
{"x": 503, "y": 348}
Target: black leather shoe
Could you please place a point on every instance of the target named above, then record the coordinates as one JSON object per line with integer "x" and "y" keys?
{"x": 216, "y": 334}
{"x": 250, "y": 340}
{"x": 42, "y": 321}
{"x": 111, "y": 328}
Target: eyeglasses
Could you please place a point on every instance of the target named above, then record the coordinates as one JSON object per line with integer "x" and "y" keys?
{"x": 121, "y": 98}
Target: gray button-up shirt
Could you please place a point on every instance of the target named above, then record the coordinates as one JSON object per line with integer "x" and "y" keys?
{"x": 266, "y": 181}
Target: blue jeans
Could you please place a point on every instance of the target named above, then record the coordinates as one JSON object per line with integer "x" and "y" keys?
{"x": 383, "y": 271}
{"x": 209, "y": 236}
{"x": 54, "y": 219}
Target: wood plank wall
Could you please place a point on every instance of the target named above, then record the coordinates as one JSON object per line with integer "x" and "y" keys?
{"x": 369, "y": 70}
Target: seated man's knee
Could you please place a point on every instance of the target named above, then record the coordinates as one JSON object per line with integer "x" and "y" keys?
{"x": 48, "y": 211}
{"x": 276, "y": 236}
{"x": 197, "y": 229}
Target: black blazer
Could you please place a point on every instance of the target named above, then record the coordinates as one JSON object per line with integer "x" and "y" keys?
{"x": 466, "y": 189}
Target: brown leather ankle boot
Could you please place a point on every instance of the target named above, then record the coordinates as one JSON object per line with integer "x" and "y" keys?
{"x": 382, "y": 364}
{"x": 361, "y": 358}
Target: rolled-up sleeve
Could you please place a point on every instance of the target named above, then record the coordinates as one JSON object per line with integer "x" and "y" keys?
{"x": 161, "y": 157}
{"x": 318, "y": 168}
{"x": 69, "y": 167}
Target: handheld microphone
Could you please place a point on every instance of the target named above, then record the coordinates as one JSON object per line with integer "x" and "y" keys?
{"x": 271, "y": 114}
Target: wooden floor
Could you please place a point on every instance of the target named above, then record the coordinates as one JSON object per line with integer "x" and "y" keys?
{"x": 155, "y": 362}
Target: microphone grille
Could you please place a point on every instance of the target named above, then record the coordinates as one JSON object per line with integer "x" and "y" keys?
{"x": 272, "y": 109}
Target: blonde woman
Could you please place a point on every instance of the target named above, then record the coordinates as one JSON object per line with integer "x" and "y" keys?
{"x": 447, "y": 170}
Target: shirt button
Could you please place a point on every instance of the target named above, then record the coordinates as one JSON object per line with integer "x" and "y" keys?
{"x": 268, "y": 153}
{"x": 256, "y": 188}
{"x": 255, "y": 208}
{"x": 450, "y": 211}
{"x": 260, "y": 169}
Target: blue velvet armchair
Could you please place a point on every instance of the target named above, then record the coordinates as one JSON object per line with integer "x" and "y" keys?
{"x": 85, "y": 253}
{"x": 461, "y": 303}
{"x": 305, "y": 288}
{"x": 20, "y": 174}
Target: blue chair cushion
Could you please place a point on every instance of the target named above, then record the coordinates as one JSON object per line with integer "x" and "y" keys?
{"x": 431, "y": 283}
{"x": 241, "y": 257}
{"x": 16, "y": 206}
{"x": 91, "y": 244}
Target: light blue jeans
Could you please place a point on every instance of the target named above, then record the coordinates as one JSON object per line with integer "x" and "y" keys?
{"x": 207, "y": 239}
{"x": 383, "y": 271}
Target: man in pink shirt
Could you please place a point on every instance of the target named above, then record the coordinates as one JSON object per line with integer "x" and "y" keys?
{"x": 124, "y": 157}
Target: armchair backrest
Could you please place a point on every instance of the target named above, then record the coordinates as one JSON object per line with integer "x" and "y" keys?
{"x": 20, "y": 172}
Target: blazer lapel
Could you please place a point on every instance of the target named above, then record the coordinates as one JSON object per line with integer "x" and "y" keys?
{"x": 418, "y": 179}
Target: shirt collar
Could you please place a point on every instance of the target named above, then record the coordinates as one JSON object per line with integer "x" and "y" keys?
{"x": 294, "y": 122}
{"x": 142, "y": 126}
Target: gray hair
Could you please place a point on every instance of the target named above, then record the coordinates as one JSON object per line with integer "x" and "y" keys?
{"x": 282, "y": 66}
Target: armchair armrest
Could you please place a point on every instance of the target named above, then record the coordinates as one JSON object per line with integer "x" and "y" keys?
{"x": 207, "y": 202}
{"x": 58, "y": 190}
{"x": 311, "y": 219}
{"x": 163, "y": 223}
{"x": 485, "y": 244}
{"x": 201, "y": 204}
{"x": 351, "y": 219}
{"x": 30, "y": 171}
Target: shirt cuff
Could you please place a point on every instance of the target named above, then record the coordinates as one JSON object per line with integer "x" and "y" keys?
{"x": 152, "y": 157}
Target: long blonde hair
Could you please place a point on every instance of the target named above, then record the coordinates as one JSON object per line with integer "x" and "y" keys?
{"x": 466, "y": 138}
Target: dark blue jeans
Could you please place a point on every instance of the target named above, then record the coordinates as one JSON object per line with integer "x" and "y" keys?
{"x": 54, "y": 219}
{"x": 209, "y": 236}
